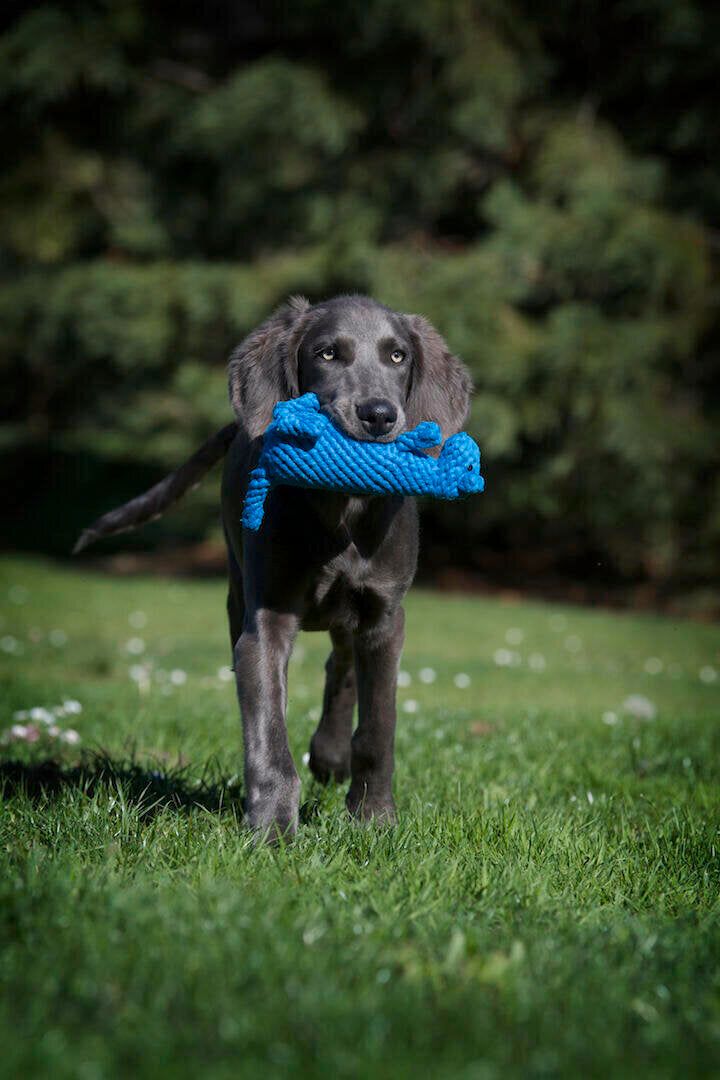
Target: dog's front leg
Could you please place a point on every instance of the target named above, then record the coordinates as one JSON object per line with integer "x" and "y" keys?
{"x": 272, "y": 785}
{"x": 377, "y": 655}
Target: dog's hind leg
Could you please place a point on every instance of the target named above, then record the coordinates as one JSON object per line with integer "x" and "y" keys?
{"x": 235, "y": 600}
{"x": 330, "y": 745}
{"x": 377, "y": 655}
{"x": 235, "y": 611}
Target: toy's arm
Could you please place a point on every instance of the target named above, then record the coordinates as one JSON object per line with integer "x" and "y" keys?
{"x": 254, "y": 506}
{"x": 426, "y": 435}
{"x": 300, "y": 416}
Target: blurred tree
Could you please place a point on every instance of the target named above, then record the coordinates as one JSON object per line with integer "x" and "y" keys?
{"x": 537, "y": 179}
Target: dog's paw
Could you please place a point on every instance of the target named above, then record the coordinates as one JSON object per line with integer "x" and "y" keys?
{"x": 271, "y": 812}
{"x": 365, "y": 807}
{"x": 328, "y": 762}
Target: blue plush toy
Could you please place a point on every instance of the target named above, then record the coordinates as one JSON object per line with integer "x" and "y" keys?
{"x": 302, "y": 447}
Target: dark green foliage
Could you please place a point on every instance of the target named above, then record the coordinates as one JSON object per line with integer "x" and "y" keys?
{"x": 538, "y": 188}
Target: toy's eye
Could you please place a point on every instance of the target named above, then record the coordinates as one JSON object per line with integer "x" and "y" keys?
{"x": 469, "y": 468}
{"x": 397, "y": 356}
{"x": 328, "y": 354}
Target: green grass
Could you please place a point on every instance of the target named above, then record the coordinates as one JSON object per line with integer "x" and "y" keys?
{"x": 548, "y": 905}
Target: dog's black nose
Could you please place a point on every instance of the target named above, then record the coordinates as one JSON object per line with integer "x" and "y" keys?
{"x": 377, "y": 415}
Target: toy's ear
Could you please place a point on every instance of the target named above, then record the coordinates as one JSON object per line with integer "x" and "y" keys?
{"x": 263, "y": 367}
{"x": 441, "y": 384}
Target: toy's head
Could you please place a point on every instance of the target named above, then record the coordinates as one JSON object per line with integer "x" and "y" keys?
{"x": 459, "y": 466}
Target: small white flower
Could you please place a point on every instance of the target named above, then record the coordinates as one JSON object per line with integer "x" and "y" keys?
{"x": 225, "y": 674}
{"x": 57, "y": 638}
{"x": 640, "y": 706}
{"x": 708, "y": 674}
{"x": 573, "y": 643}
{"x": 135, "y": 646}
{"x": 514, "y": 636}
{"x": 590, "y": 797}
{"x": 70, "y": 736}
{"x": 306, "y": 758}
{"x": 53, "y": 731}
{"x": 461, "y": 680}
{"x": 41, "y": 716}
{"x": 137, "y": 619}
{"x": 140, "y": 674}
{"x": 653, "y": 665}
{"x": 686, "y": 762}
{"x": 19, "y": 731}
{"x": 9, "y": 644}
{"x": 404, "y": 678}
{"x": 72, "y": 707}
{"x": 427, "y": 675}
{"x": 610, "y": 718}
{"x": 21, "y": 714}
{"x": 537, "y": 661}
{"x": 502, "y": 657}
{"x": 178, "y": 677}
{"x": 410, "y": 706}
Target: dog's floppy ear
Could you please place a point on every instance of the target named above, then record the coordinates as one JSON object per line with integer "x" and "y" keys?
{"x": 441, "y": 384}
{"x": 263, "y": 368}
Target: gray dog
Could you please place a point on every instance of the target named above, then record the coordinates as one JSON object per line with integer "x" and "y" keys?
{"x": 321, "y": 561}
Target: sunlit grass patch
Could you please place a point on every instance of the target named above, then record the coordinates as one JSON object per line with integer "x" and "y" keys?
{"x": 548, "y": 904}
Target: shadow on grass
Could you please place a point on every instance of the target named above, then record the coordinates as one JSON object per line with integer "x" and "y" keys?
{"x": 148, "y": 789}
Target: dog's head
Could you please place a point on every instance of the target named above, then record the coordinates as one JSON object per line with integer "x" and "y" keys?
{"x": 375, "y": 371}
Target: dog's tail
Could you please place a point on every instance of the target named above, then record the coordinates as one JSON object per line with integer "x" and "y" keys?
{"x": 153, "y": 503}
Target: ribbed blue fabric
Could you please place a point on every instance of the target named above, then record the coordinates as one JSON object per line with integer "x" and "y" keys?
{"x": 302, "y": 447}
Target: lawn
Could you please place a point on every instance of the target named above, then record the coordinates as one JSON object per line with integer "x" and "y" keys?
{"x": 548, "y": 905}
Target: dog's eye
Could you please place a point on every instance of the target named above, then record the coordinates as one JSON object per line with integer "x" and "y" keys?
{"x": 397, "y": 356}
{"x": 328, "y": 354}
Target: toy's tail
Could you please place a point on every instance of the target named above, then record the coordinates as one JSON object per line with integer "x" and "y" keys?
{"x": 153, "y": 503}
{"x": 254, "y": 508}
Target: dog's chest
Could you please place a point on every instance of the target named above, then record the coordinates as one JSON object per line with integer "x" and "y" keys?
{"x": 368, "y": 568}
{"x": 347, "y": 573}
{"x": 348, "y": 591}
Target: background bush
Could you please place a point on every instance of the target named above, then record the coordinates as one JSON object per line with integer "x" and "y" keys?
{"x": 537, "y": 179}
